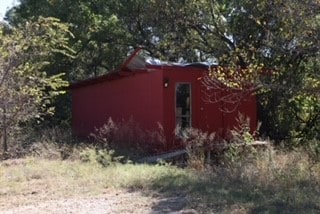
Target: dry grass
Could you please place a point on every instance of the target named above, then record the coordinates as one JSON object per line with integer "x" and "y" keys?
{"x": 24, "y": 181}
{"x": 273, "y": 181}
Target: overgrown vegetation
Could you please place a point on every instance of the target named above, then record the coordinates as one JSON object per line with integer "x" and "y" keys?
{"x": 26, "y": 90}
{"x": 271, "y": 48}
{"x": 272, "y": 181}
{"x": 129, "y": 138}
{"x": 243, "y": 180}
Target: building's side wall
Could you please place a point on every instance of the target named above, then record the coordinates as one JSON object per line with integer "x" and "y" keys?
{"x": 137, "y": 97}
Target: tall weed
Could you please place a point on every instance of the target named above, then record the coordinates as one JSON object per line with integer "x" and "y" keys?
{"x": 129, "y": 138}
{"x": 197, "y": 144}
{"x": 207, "y": 148}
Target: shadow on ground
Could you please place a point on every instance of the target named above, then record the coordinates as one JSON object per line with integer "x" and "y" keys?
{"x": 216, "y": 194}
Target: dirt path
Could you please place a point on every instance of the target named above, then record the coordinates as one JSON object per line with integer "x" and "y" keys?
{"x": 114, "y": 202}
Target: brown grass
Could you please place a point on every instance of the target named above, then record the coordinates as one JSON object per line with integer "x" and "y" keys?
{"x": 271, "y": 181}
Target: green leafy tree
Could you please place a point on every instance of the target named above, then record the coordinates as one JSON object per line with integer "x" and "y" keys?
{"x": 99, "y": 39}
{"x": 269, "y": 47}
{"x": 25, "y": 88}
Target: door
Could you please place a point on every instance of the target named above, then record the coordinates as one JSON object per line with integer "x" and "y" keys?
{"x": 183, "y": 105}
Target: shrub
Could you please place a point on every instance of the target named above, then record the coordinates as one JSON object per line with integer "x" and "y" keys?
{"x": 102, "y": 135}
{"x": 49, "y": 143}
{"x": 313, "y": 150}
{"x": 129, "y": 137}
{"x": 197, "y": 143}
{"x": 201, "y": 145}
{"x": 239, "y": 142}
{"x": 242, "y": 132}
{"x": 103, "y": 157}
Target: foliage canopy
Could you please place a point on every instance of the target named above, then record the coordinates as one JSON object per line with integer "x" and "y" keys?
{"x": 276, "y": 43}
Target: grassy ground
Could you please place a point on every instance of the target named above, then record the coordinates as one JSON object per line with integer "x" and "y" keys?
{"x": 272, "y": 183}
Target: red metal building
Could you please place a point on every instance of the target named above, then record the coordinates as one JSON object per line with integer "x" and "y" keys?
{"x": 152, "y": 94}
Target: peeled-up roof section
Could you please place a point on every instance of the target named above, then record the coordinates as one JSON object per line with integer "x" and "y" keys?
{"x": 137, "y": 61}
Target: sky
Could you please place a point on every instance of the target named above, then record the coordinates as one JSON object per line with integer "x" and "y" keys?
{"x": 5, "y": 5}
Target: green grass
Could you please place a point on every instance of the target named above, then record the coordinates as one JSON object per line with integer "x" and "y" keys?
{"x": 272, "y": 183}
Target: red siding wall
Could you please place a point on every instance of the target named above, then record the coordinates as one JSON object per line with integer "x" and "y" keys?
{"x": 138, "y": 97}
{"x": 143, "y": 98}
{"x": 205, "y": 116}
{"x": 180, "y": 75}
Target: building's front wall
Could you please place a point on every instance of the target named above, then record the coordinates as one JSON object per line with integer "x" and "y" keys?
{"x": 206, "y": 116}
{"x": 137, "y": 97}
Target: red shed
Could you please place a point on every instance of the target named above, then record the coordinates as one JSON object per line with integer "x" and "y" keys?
{"x": 152, "y": 94}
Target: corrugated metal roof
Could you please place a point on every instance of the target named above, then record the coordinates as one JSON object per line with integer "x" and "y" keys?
{"x": 137, "y": 62}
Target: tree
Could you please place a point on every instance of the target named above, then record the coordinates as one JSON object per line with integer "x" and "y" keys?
{"x": 99, "y": 41}
{"x": 25, "y": 88}
{"x": 266, "y": 47}
{"x": 269, "y": 47}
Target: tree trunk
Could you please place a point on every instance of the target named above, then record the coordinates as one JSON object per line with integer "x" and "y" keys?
{"x": 4, "y": 132}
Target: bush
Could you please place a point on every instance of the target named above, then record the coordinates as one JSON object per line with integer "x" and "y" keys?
{"x": 242, "y": 132}
{"x": 129, "y": 138}
{"x": 49, "y": 143}
{"x": 197, "y": 143}
{"x": 202, "y": 146}
{"x": 313, "y": 150}
{"x": 239, "y": 144}
{"x": 103, "y": 157}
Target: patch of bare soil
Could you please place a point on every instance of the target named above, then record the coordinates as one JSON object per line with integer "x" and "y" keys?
{"x": 110, "y": 202}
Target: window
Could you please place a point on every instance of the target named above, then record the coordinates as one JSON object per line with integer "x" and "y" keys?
{"x": 183, "y": 105}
